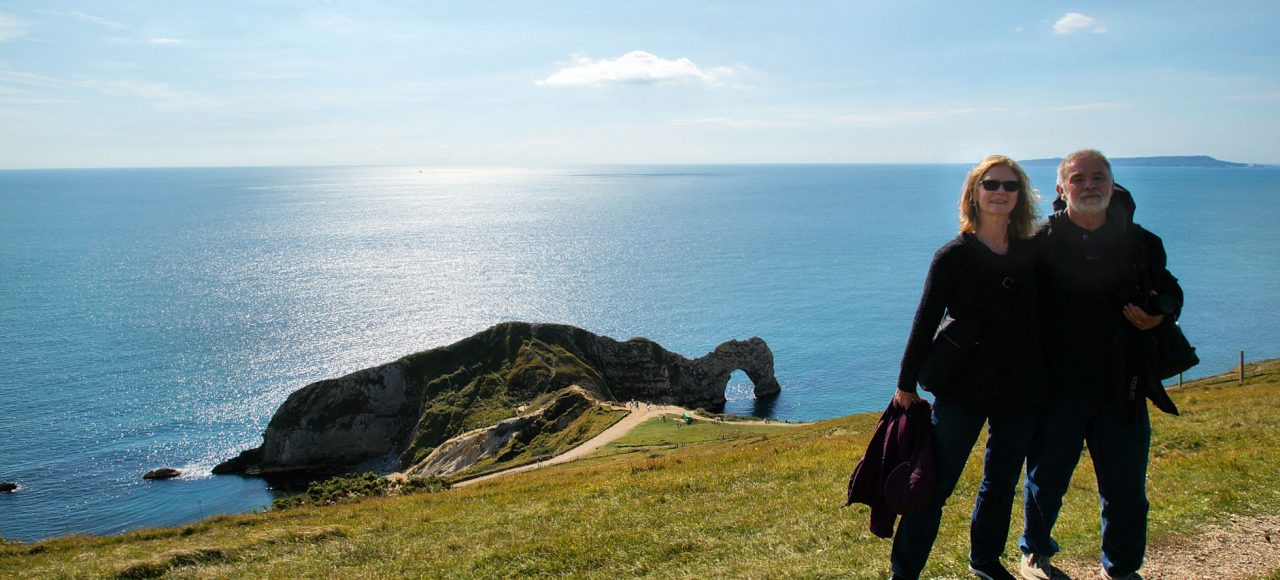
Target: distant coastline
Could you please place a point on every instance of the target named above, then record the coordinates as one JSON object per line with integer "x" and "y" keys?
{"x": 1160, "y": 161}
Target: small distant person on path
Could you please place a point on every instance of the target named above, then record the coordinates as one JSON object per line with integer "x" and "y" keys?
{"x": 1097, "y": 300}
{"x": 985, "y": 276}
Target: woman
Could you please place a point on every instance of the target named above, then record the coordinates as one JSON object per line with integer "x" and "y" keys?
{"x": 985, "y": 276}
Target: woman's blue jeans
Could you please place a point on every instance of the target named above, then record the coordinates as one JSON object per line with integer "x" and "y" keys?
{"x": 955, "y": 430}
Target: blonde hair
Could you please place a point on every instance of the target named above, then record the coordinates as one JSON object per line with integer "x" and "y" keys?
{"x": 1026, "y": 211}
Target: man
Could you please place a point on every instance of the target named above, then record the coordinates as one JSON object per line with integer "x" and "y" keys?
{"x": 1098, "y": 271}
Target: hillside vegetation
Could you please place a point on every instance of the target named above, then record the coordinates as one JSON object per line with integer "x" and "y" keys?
{"x": 700, "y": 501}
{"x": 401, "y": 415}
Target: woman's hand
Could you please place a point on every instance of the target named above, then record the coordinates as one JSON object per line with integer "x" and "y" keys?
{"x": 904, "y": 400}
{"x": 1139, "y": 317}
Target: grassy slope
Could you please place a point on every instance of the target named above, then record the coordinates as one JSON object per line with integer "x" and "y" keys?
{"x": 513, "y": 369}
{"x": 547, "y": 443}
{"x": 703, "y": 501}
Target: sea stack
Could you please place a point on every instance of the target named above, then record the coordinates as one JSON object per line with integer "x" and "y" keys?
{"x": 391, "y": 416}
{"x": 162, "y": 473}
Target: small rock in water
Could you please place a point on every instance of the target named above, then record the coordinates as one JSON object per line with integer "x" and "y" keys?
{"x": 162, "y": 473}
{"x": 8, "y": 487}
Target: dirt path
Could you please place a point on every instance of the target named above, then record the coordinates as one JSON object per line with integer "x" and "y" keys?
{"x": 1247, "y": 547}
{"x": 622, "y": 427}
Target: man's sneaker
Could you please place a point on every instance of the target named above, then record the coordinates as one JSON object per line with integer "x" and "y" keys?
{"x": 991, "y": 571}
{"x": 1037, "y": 567}
{"x": 1130, "y": 576}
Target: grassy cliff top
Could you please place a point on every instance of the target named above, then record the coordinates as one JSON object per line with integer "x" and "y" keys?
{"x": 702, "y": 500}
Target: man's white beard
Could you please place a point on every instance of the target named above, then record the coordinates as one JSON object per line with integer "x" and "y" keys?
{"x": 1089, "y": 209}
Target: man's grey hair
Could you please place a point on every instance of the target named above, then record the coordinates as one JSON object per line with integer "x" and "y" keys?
{"x": 1082, "y": 154}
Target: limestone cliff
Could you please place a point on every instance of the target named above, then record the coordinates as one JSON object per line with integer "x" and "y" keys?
{"x": 395, "y": 415}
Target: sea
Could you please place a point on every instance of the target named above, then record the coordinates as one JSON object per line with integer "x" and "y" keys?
{"x": 158, "y": 317}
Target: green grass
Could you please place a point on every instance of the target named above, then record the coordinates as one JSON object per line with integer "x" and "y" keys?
{"x": 707, "y": 500}
{"x": 661, "y": 436}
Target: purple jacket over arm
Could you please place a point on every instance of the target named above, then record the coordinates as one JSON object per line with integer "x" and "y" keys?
{"x": 896, "y": 474}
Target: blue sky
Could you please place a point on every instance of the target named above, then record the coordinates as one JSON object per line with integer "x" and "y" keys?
{"x": 130, "y": 84}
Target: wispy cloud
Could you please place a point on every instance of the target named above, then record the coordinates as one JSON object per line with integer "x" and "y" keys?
{"x": 31, "y": 101}
{"x": 1075, "y": 22}
{"x": 155, "y": 91}
{"x": 84, "y": 17}
{"x": 96, "y": 20}
{"x": 635, "y": 67}
{"x": 161, "y": 95}
{"x": 1092, "y": 106}
{"x": 112, "y": 24}
{"x": 736, "y": 123}
{"x": 265, "y": 76}
{"x": 12, "y": 27}
{"x": 32, "y": 79}
{"x": 899, "y": 117}
{"x": 1262, "y": 97}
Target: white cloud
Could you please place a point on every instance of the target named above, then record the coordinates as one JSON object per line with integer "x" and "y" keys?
{"x": 635, "y": 67}
{"x": 12, "y": 28}
{"x": 1074, "y": 22}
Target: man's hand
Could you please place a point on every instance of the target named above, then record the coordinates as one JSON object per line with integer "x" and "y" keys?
{"x": 1139, "y": 317}
{"x": 904, "y": 400}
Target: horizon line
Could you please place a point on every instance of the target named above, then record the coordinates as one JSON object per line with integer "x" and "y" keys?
{"x": 532, "y": 166}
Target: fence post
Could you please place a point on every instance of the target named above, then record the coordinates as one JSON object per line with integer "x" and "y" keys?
{"x": 1242, "y": 367}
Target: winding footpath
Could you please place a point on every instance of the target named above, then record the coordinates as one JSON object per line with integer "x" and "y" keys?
{"x": 635, "y": 417}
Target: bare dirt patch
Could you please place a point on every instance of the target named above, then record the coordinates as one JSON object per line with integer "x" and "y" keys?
{"x": 1245, "y": 547}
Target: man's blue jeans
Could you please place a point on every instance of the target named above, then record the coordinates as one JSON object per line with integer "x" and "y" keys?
{"x": 955, "y": 430}
{"x": 1119, "y": 449}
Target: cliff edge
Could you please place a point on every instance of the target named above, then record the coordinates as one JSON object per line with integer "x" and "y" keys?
{"x": 393, "y": 416}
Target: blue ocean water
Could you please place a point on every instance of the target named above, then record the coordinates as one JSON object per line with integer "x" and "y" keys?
{"x": 158, "y": 317}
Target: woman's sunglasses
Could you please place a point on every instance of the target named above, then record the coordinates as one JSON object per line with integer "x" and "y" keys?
{"x": 1009, "y": 186}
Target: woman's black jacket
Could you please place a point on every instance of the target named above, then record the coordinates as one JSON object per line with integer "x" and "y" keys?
{"x": 966, "y": 279}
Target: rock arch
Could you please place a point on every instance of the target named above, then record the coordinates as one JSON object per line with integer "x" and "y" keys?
{"x": 753, "y": 357}
{"x": 388, "y": 412}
